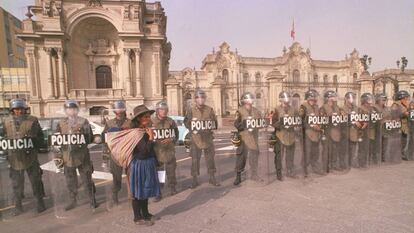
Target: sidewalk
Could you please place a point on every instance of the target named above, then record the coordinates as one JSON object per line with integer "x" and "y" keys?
{"x": 379, "y": 199}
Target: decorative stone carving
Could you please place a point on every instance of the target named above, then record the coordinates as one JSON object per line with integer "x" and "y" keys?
{"x": 95, "y": 3}
{"x": 51, "y": 8}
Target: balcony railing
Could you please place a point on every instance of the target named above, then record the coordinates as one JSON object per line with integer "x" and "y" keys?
{"x": 96, "y": 93}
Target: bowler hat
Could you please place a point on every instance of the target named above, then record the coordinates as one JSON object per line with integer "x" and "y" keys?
{"x": 140, "y": 110}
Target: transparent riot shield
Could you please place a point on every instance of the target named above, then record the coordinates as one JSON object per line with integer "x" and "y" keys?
{"x": 410, "y": 146}
{"x": 392, "y": 136}
{"x": 71, "y": 168}
{"x": 376, "y": 136}
{"x": 166, "y": 152}
{"x": 202, "y": 164}
{"x": 288, "y": 145}
{"x": 21, "y": 188}
{"x": 313, "y": 135}
{"x": 7, "y": 199}
{"x": 252, "y": 159}
{"x": 334, "y": 138}
{"x": 351, "y": 131}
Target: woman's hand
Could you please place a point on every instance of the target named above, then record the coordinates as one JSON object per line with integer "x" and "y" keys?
{"x": 150, "y": 133}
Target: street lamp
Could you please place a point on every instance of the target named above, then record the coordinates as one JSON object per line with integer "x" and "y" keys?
{"x": 366, "y": 62}
{"x": 403, "y": 63}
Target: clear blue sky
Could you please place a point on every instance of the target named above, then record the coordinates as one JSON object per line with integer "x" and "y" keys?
{"x": 383, "y": 29}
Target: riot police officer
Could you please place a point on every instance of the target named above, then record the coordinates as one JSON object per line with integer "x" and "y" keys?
{"x": 75, "y": 156}
{"x": 366, "y": 129}
{"x": 120, "y": 122}
{"x": 20, "y": 126}
{"x": 352, "y": 132}
{"x": 379, "y": 145}
{"x": 201, "y": 120}
{"x": 166, "y": 135}
{"x": 401, "y": 103}
{"x": 332, "y": 150}
{"x": 249, "y": 138}
{"x": 410, "y": 145}
{"x": 309, "y": 112}
{"x": 284, "y": 119}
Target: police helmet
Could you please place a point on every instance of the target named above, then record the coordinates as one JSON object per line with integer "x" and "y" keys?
{"x": 17, "y": 103}
{"x": 311, "y": 94}
{"x": 247, "y": 97}
{"x": 200, "y": 93}
{"x": 284, "y": 96}
{"x": 119, "y": 105}
{"x": 401, "y": 95}
{"x": 71, "y": 104}
{"x": 161, "y": 105}
{"x": 367, "y": 98}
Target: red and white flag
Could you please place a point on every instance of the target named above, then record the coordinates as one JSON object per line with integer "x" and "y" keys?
{"x": 292, "y": 32}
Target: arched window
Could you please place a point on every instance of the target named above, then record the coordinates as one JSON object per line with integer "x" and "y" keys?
{"x": 258, "y": 95}
{"x": 296, "y": 76}
{"x": 246, "y": 78}
{"x": 225, "y": 75}
{"x": 325, "y": 79}
{"x": 258, "y": 77}
{"x": 335, "y": 79}
{"x": 315, "y": 78}
{"x": 355, "y": 77}
{"x": 103, "y": 77}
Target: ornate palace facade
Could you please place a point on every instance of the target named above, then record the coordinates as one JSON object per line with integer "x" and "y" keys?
{"x": 225, "y": 75}
{"x": 95, "y": 52}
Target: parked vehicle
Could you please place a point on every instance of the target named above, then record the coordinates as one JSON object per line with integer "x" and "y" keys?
{"x": 183, "y": 131}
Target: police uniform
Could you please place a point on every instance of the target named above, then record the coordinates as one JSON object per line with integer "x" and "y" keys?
{"x": 352, "y": 134}
{"x": 116, "y": 170}
{"x": 367, "y": 135}
{"x": 380, "y": 139}
{"x": 410, "y": 150}
{"x": 285, "y": 139}
{"x": 165, "y": 153}
{"x": 202, "y": 140}
{"x": 311, "y": 138}
{"x": 405, "y": 130}
{"x": 21, "y": 160}
{"x": 249, "y": 140}
{"x": 332, "y": 150}
{"x": 77, "y": 157}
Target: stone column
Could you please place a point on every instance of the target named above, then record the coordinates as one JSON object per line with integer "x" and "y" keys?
{"x": 367, "y": 83}
{"x": 49, "y": 72}
{"x": 157, "y": 70}
{"x": 62, "y": 88}
{"x": 275, "y": 79}
{"x": 174, "y": 96}
{"x": 216, "y": 95}
{"x": 138, "y": 72}
{"x": 404, "y": 82}
{"x": 128, "y": 82}
{"x": 31, "y": 64}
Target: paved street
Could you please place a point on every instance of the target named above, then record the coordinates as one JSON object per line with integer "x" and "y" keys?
{"x": 379, "y": 199}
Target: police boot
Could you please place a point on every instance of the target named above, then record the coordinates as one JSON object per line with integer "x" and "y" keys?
{"x": 115, "y": 198}
{"x": 93, "y": 203}
{"x": 40, "y": 205}
{"x": 213, "y": 181}
{"x": 256, "y": 177}
{"x": 237, "y": 181}
{"x": 18, "y": 209}
{"x": 173, "y": 191}
{"x": 279, "y": 175}
{"x": 291, "y": 174}
{"x": 71, "y": 205}
{"x": 195, "y": 182}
